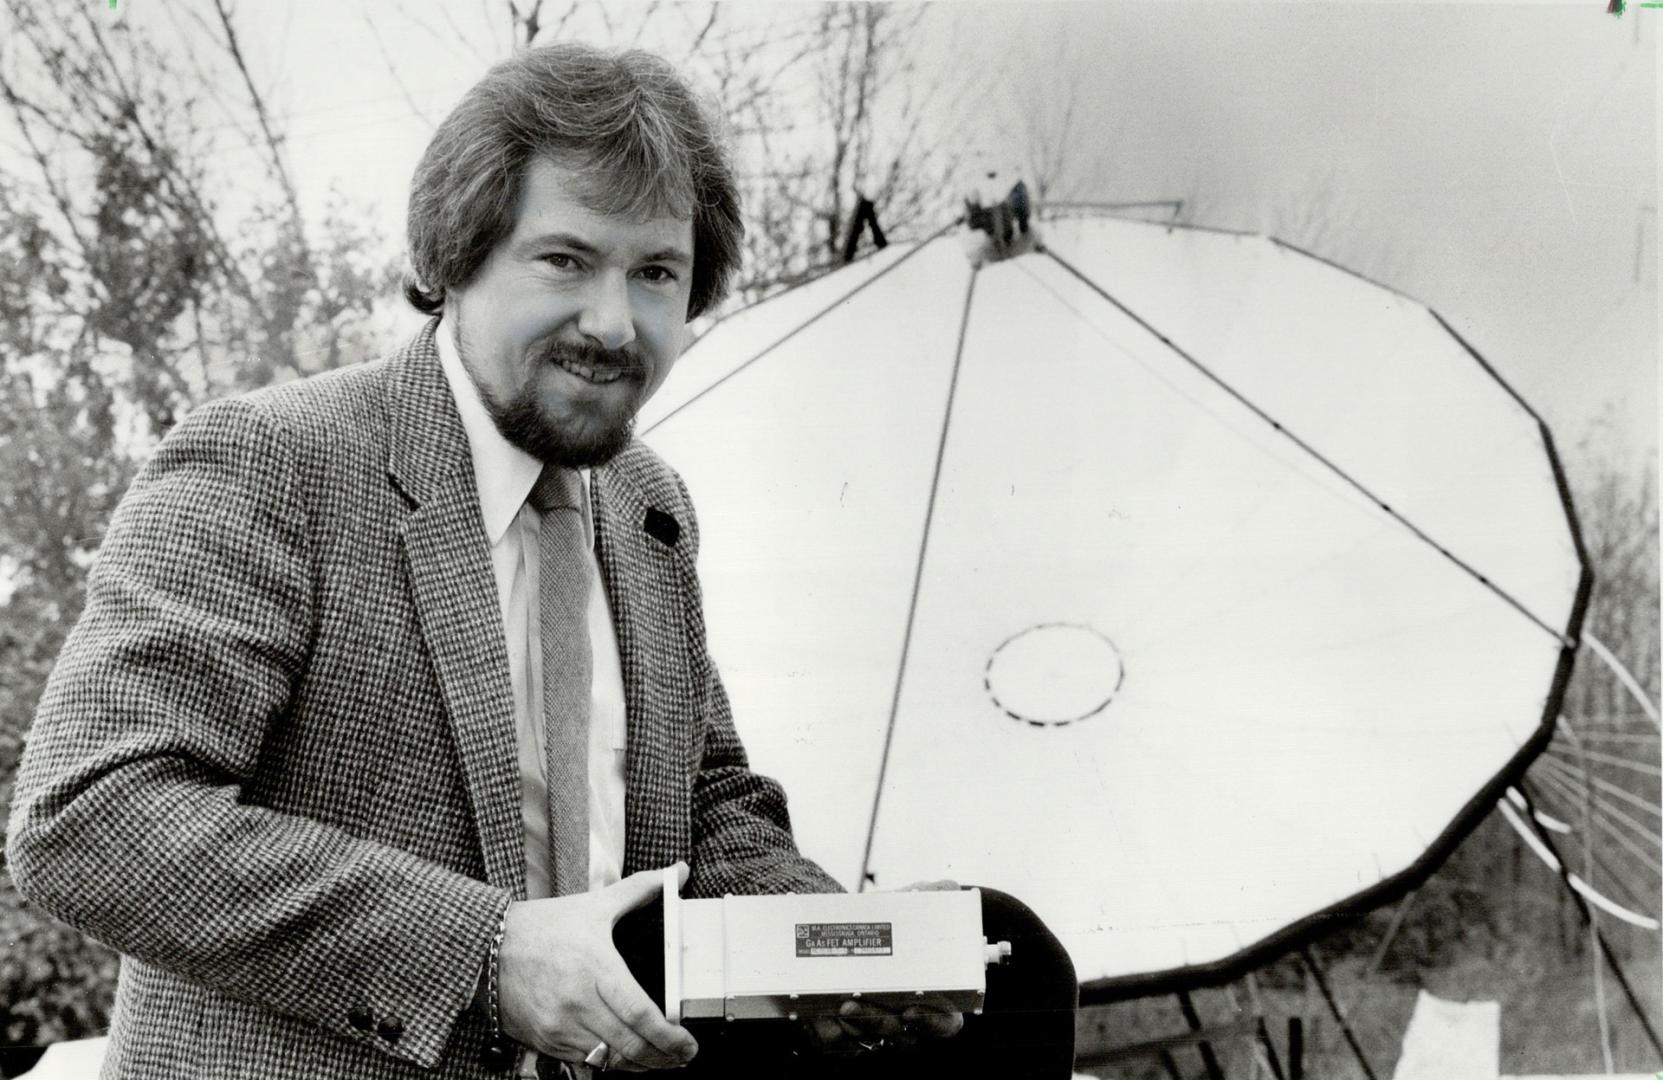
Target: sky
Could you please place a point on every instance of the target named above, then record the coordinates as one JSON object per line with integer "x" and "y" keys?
{"x": 1495, "y": 160}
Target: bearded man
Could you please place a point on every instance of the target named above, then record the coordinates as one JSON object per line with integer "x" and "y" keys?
{"x": 391, "y": 693}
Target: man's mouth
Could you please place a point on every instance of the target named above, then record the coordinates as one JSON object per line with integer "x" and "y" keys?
{"x": 587, "y": 373}
{"x": 597, "y": 366}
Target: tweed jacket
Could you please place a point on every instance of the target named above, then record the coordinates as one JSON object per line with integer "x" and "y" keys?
{"x": 275, "y": 764}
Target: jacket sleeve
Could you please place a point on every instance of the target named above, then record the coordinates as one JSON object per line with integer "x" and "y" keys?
{"x": 741, "y": 830}
{"x": 128, "y": 820}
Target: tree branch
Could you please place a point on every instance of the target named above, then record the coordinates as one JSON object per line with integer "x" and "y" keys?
{"x": 698, "y": 39}
{"x": 392, "y": 68}
{"x": 274, "y": 141}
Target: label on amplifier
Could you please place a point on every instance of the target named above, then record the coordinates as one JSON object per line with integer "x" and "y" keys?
{"x": 845, "y": 939}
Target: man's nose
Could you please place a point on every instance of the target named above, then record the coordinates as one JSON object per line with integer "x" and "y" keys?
{"x": 606, "y": 318}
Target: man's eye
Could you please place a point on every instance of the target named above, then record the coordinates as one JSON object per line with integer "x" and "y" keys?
{"x": 658, "y": 273}
{"x": 560, "y": 260}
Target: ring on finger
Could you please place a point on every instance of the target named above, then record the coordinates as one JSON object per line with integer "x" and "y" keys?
{"x": 599, "y": 1057}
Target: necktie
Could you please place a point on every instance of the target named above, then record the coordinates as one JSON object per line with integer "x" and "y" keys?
{"x": 563, "y": 601}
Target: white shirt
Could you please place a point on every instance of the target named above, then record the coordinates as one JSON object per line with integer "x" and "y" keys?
{"x": 504, "y": 475}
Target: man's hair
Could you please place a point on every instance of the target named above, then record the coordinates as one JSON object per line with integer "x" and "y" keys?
{"x": 625, "y": 118}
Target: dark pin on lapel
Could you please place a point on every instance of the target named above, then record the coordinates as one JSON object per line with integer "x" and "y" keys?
{"x": 661, "y": 527}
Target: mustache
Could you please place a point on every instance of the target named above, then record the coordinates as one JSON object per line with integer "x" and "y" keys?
{"x": 591, "y": 355}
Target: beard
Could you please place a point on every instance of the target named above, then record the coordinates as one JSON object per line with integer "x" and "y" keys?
{"x": 580, "y": 442}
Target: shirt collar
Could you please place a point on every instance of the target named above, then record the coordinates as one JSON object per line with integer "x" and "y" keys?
{"x": 503, "y": 473}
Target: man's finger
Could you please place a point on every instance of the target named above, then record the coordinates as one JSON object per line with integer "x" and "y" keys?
{"x": 932, "y": 1021}
{"x": 625, "y": 1044}
{"x": 868, "y": 1023}
{"x": 622, "y": 1045}
{"x": 570, "y": 1045}
{"x": 643, "y": 1033}
{"x": 827, "y": 1035}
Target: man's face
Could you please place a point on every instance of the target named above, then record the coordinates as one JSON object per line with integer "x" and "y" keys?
{"x": 574, "y": 319}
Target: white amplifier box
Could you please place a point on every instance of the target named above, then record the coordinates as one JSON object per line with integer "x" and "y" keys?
{"x": 801, "y": 955}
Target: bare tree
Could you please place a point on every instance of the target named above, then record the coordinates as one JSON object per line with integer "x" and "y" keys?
{"x": 874, "y": 128}
{"x": 126, "y": 296}
{"x": 1616, "y": 503}
{"x": 1061, "y": 160}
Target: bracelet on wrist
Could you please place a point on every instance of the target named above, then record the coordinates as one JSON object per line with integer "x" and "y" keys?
{"x": 500, "y": 1049}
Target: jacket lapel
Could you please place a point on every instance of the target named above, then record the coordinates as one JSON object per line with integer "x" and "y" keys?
{"x": 455, "y": 596}
{"x": 644, "y": 584}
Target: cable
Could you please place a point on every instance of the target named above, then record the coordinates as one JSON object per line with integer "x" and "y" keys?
{"x": 1605, "y": 947}
{"x": 1570, "y": 794}
{"x": 1620, "y": 763}
{"x": 1624, "y": 676}
{"x": 1600, "y": 1011}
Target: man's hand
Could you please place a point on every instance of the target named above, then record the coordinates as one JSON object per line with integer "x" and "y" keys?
{"x": 563, "y": 989}
{"x": 860, "y": 1026}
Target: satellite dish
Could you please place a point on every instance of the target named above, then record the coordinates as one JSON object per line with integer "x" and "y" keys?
{"x": 1179, "y": 582}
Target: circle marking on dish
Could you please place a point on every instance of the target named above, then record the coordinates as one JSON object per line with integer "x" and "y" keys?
{"x": 1053, "y": 674}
